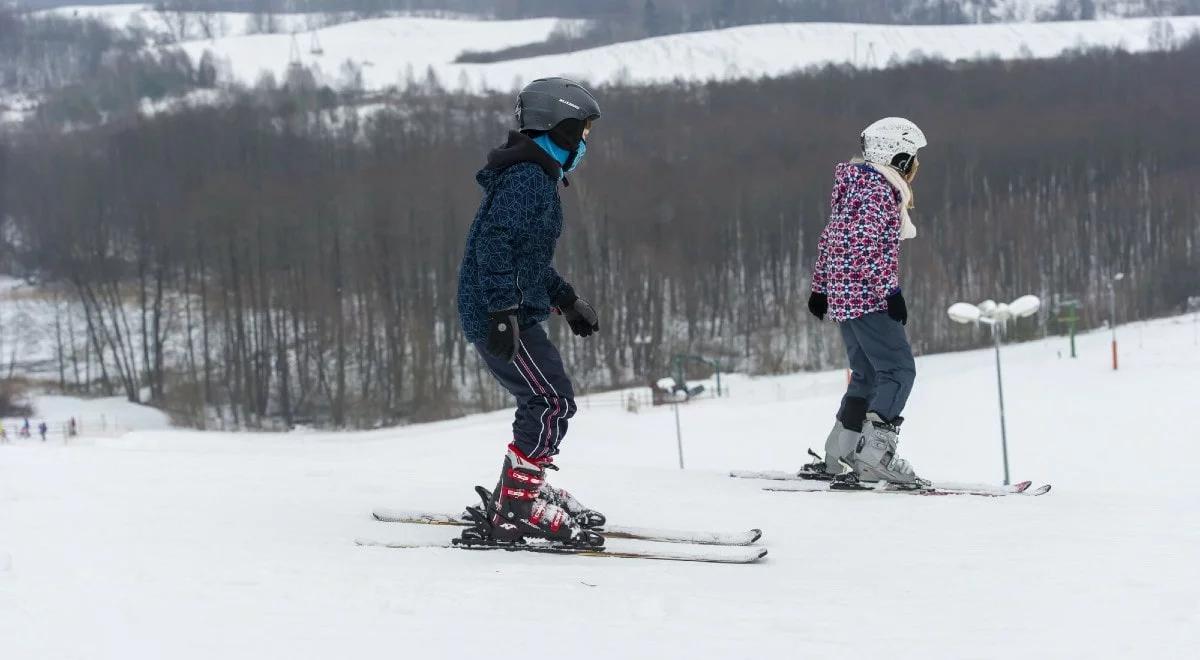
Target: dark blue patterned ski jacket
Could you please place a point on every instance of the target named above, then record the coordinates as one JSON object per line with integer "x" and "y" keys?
{"x": 510, "y": 247}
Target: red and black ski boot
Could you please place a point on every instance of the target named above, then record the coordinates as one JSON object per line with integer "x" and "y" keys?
{"x": 586, "y": 517}
{"x": 519, "y": 511}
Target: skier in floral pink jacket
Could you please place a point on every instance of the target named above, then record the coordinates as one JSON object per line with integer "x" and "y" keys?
{"x": 856, "y": 282}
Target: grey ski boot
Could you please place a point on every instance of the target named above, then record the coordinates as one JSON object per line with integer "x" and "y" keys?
{"x": 839, "y": 446}
{"x": 875, "y": 459}
{"x": 840, "y": 443}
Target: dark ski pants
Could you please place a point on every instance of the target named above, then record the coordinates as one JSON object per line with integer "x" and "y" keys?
{"x": 545, "y": 398}
{"x": 881, "y": 361}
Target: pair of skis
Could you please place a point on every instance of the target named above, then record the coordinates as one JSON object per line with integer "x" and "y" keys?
{"x": 793, "y": 482}
{"x": 632, "y": 542}
{"x": 790, "y": 482}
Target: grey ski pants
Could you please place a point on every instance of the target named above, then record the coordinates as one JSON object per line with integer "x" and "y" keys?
{"x": 881, "y": 361}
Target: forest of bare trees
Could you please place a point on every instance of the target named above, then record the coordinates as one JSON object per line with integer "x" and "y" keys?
{"x": 82, "y": 71}
{"x": 279, "y": 260}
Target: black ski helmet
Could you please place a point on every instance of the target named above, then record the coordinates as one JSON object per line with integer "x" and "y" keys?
{"x": 546, "y": 102}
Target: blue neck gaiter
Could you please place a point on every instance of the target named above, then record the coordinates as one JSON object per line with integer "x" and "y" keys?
{"x": 559, "y": 154}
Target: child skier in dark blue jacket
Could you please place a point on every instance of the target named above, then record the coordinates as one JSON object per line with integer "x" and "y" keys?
{"x": 508, "y": 287}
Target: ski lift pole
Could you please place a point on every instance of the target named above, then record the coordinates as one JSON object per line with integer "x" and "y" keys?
{"x": 1112, "y": 313}
{"x": 678, "y": 435}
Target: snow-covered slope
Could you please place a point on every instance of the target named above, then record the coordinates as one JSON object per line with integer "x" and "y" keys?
{"x": 174, "y": 25}
{"x": 203, "y": 545}
{"x": 389, "y": 50}
{"x": 178, "y": 26}
{"x": 94, "y": 418}
{"x": 777, "y": 49}
{"x": 27, "y": 323}
{"x": 393, "y": 50}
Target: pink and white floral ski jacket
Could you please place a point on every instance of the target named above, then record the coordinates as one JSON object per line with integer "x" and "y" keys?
{"x": 858, "y": 256}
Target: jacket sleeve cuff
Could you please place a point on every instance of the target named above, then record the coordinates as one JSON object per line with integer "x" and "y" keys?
{"x": 563, "y": 295}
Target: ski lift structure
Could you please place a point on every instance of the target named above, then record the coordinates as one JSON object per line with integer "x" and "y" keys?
{"x": 675, "y": 389}
{"x": 294, "y": 53}
{"x": 314, "y": 48}
{"x": 1066, "y": 311}
{"x": 869, "y": 60}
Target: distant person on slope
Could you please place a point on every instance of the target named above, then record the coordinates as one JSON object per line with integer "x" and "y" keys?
{"x": 856, "y": 283}
{"x": 508, "y": 287}
{"x": 42, "y": 430}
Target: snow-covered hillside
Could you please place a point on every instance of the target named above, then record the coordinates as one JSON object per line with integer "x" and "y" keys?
{"x": 226, "y": 24}
{"x": 94, "y": 418}
{"x": 27, "y": 329}
{"x": 202, "y": 545}
{"x": 392, "y": 51}
{"x": 389, "y": 50}
{"x": 175, "y": 25}
{"x": 778, "y": 49}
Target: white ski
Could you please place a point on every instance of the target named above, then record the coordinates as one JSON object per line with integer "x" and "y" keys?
{"x": 937, "y": 488}
{"x": 747, "y": 537}
{"x": 725, "y": 555}
{"x": 778, "y": 475}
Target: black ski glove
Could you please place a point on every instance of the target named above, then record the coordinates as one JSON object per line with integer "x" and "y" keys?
{"x": 503, "y": 334}
{"x": 818, "y": 304}
{"x": 578, "y": 312}
{"x": 897, "y": 308}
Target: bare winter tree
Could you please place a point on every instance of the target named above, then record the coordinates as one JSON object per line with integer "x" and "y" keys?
{"x": 176, "y": 18}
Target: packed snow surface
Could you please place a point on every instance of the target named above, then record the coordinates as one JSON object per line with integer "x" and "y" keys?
{"x": 395, "y": 51}
{"x": 172, "y": 544}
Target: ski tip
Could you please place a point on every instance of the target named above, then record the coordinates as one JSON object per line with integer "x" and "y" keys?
{"x": 759, "y": 555}
{"x": 1022, "y": 486}
{"x": 755, "y": 535}
{"x": 385, "y": 515}
{"x": 1041, "y": 490}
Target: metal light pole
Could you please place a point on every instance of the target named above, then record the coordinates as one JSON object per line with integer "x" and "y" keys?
{"x": 1000, "y": 391}
{"x": 997, "y": 316}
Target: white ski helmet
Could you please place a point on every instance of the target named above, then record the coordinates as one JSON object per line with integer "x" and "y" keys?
{"x": 892, "y": 141}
